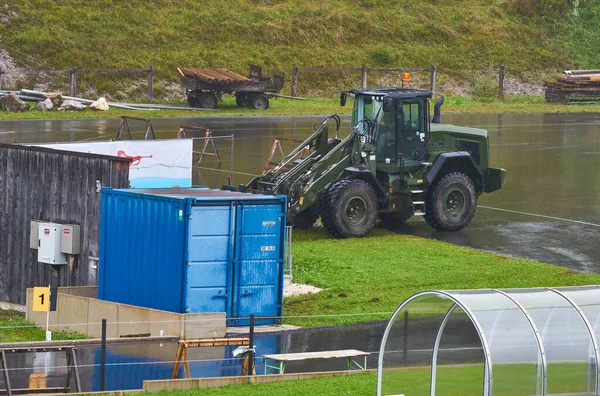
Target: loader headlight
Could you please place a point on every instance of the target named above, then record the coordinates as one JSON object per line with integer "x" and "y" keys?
{"x": 363, "y": 154}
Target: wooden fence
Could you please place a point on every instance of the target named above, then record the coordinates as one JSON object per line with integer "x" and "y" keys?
{"x": 55, "y": 186}
{"x": 364, "y": 72}
{"x": 73, "y": 73}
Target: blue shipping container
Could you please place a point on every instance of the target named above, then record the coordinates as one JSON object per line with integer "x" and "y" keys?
{"x": 194, "y": 250}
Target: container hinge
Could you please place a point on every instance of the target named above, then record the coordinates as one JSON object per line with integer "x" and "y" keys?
{"x": 189, "y": 263}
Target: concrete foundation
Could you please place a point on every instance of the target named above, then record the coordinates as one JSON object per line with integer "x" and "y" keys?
{"x": 79, "y": 311}
{"x": 217, "y": 382}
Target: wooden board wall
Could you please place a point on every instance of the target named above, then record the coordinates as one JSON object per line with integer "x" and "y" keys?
{"x": 55, "y": 186}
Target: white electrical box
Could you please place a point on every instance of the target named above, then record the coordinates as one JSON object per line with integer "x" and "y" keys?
{"x": 69, "y": 239}
{"x": 49, "y": 236}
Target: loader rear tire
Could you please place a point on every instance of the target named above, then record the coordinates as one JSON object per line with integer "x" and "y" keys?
{"x": 451, "y": 202}
{"x": 349, "y": 209}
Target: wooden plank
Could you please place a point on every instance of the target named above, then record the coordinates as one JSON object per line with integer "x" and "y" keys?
{"x": 288, "y": 357}
{"x": 208, "y": 342}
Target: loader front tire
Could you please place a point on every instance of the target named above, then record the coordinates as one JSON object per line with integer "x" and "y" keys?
{"x": 451, "y": 203}
{"x": 349, "y": 209}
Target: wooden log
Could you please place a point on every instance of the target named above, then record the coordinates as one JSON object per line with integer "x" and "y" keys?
{"x": 218, "y": 77}
{"x": 233, "y": 75}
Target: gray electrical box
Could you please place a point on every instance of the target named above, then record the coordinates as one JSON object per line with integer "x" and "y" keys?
{"x": 49, "y": 236}
{"x": 69, "y": 239}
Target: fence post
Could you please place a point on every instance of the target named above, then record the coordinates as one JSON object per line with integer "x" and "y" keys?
{"x": 73, "y": 85}
{"x": 294, "y": 80}
{"x": 432, "y": 79}
{"x": 150, "y": 83}
{"x": 501, "y": 82}
{"x": 364, "y": 77}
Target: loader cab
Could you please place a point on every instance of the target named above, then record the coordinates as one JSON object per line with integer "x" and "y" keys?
{"x": 402, "y": 122}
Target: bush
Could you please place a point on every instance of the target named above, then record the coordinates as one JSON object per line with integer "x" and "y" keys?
{"x": 539, "y": 7}
{"x": 383, "y": 55}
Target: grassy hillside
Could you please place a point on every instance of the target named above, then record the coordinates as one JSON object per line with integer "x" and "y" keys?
{"x": 464, "y": 38}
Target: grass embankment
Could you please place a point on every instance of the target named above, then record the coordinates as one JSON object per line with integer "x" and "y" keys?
{"x": 314, "y": 106}
{"x": 467, "y": 40}
{"x": 376, "y": 273}
{"x": 14, "y": 328}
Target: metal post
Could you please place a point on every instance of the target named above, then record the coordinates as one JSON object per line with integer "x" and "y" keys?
{"x": 150, "y": 83}
{"x": 232, "y": 156}
{"x": 501, "y": 82}
{"x": 404, "y": 349}
{"x": 364, "y": 77}
{"x": 251, "y": 346}
{"x": 294, "y": 80}
{"x": 103, "y": 356}
{"x": 432, "y": 79}
{"x": 73, "y": 85}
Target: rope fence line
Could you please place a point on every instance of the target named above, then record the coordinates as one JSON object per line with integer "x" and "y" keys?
{"x": 282, "y": 318}
{"x": 169, "y": 362}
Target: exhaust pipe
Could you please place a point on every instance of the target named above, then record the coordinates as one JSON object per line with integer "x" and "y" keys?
{"x": 437, "y": 115}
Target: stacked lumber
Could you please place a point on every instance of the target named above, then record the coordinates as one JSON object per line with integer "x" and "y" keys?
{"x": 220, "y": 76}
{"x": 582, "y": 86}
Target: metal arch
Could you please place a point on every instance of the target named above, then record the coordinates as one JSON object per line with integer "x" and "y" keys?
{"x": 589, "y": 329}
{"x": 386, "y": 335}
{"x": 436, "y": 346}
{"x": 537, "y": 335}
{"x": 488, "y": 358}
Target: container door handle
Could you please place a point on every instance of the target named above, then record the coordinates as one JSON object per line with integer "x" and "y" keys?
{"x": 221, "y": 294}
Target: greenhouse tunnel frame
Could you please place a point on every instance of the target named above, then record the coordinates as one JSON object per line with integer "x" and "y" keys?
{"x": 517, "y": 301}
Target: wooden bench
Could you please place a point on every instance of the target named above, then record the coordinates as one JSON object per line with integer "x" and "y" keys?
{"x": 282, "y": 358}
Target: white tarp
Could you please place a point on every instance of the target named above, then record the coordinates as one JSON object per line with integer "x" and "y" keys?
{"x": 155, "y": 163}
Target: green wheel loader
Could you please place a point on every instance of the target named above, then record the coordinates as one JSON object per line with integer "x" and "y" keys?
{"x": 394, "y": 164}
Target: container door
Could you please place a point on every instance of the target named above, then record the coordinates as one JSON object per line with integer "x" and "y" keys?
{"x": 258, "y": 279}
{"x": 210, "y": 252}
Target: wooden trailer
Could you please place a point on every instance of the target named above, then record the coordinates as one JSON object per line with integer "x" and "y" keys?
{"x": 205, "y": 85}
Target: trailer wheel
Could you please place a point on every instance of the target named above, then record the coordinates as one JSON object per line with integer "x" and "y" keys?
{"x": 207, "y": 100}
{"x": 260, "y": 102}
{"x": 240, "y": 100}
{"x": 451, "y": 202}
{"x": 349, "y": 208}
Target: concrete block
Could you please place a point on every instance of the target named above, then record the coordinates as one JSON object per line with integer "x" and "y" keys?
{"x": 98, "y": 310}
{"x": 170, "y": 323}
{"x": 132, "y": 320}
{"x": 204, "y": 325}
{"x": 82, "y": 291}
{"x": 72, "y": 313}
{"x": 171, "y": 385}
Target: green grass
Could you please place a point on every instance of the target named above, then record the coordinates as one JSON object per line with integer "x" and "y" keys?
{"x": 376, "y": 273}
{"x": 14, "y": 328}
{"x": 509, "y": 380}
{"x": 315, "y": 106}
{"x": 467, "y": 40}
{"x": 359, "y": 384}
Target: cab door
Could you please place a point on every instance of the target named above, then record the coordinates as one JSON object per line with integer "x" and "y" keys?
{"x": 410, "y": 129}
